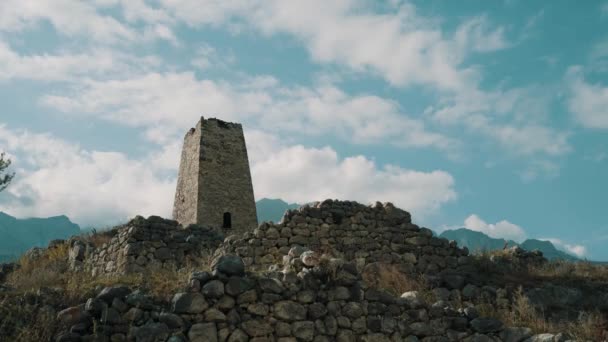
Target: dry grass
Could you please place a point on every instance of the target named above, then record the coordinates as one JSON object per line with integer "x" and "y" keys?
{"x": 393, "y": 279}
{"x": 48, "y": 280}
{"x": 566, "y": 270}
{"x": 51, "y": 271}
{"x": 521, "y": 313}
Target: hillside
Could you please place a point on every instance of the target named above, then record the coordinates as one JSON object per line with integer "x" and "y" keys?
{"x": 19, "y": 235}
{"x": 330, "y": 271}
{"x": 272, "y": 209}
{"x": 477, "y": 242}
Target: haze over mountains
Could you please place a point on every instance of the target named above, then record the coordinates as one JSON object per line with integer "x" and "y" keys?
{"x": 19, "y": 235}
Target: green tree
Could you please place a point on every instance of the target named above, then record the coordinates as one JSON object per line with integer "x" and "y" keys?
{"x": 5, "y": 177}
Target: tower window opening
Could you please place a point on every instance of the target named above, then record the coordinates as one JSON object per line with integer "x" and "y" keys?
{"x": 227, "y": 221}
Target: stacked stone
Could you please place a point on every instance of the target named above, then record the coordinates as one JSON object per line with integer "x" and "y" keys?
{"x": 313, "y": 305}
{"x": 352, "y": 231}
{"x": 145, "y": 244}
{"x": 517, "y": 258}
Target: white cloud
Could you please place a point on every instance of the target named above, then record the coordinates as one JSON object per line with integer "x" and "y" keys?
{"x": 577, "y": 250}
{"x": 588, "y": 102}
{"x": 103, "y": 187}
{"x": 86, "y": 19}
{"x": 299, "y": 174}
{"x": 502, "y": 229}
{"x": 175, "y": 100}
{"x": 207, "y": 56}
{"x": 402, "y": 47}
{"x": 55, "y": 177}
{"x": 516, "y": 119}
{"x": 70, "y": 66}
{"x": 68, "y": 17}
{"x": 478, "y": 35}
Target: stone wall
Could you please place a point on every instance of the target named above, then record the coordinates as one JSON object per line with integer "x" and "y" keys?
{"x": 145, "y": 244}
{"x": 365, "y": 234}
{"x": 312, "y": 305}
{"x": 214, "y": 179}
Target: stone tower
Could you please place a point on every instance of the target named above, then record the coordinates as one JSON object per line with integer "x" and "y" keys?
{"x": 214, "y": 183}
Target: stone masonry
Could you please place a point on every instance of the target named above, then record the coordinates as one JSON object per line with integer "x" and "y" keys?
{"x": 214, "y": 185}
{"x": 146, "y": 244}
{"x": 364, "y": 234}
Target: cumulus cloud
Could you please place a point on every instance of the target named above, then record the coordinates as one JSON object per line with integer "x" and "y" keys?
{"x": 299, "y": 174}
{"x": 105, "y": 187}
{"x": 401, "y": 46}
{"x": 68, "y": 17}
{"x": 500, "y": 230}
{"x": 577, "y": 250}
{"x": 70, "y": 66}
{"x": 588, "y": 102}
{"x": 91, "y": 187}
{"x": 175, "y": 100}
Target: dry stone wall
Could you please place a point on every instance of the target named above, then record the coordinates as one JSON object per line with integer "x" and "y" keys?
{"x": 365, "y": 234}
{"x": 312, "y": 305}
{"x": 145, "y": 244}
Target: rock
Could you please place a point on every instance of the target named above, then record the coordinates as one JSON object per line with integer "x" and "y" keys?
{"x": 95, "y": 306}
{"x": 229, "y": 265}
{"x": 203, "y": 332}
{"x": 213, "y": 289}
{"x": 453, "y": 281}
{"x": 140, "y": 300}
{"x": 413, "y": 299}
{"x": 214, "y": 315}
{"x": 352, "y": 310}
{"x": 421, "y": 329}
{"x": 515, "y": 334}
{"x": 110, "y": 316}
{"x": 541, "y": 338}
{"x": 317, "y": 310}
{"x": 310, "y": 258}
{"x": 470, "y": 291}
{"x": 256, "y": 328}
{"x": 202, "y": 277}
{"x": 486, "y": 325}
{"x": 471, "y": 312}
{"x": 441, "y": 293}
{"x": 296, "y": 251}
{"x": 271, "y": 285}
{"x": 173, "y": 321}
{"x": 109, "y": 293}
{"x": 303, "y": 330}
{"x": 189, "y": 303}
{"x": 151, "y": 332}
{"x": 289, "y": 311}
{"x": 238, "y": 285}
{"x": 238, "y": 336}
{"x": 73, "y": 315}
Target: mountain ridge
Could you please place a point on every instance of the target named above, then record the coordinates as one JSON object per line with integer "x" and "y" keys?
{"x": 477, "y": 241}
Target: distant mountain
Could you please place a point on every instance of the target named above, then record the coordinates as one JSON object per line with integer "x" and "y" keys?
{"x": 19, "y": 235}
{"x": 548, "y": 249}
{"x": 272, "y": 209}
{"x": 477, "y": 241}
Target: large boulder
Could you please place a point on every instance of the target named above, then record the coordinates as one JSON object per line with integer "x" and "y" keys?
{"x": 230, "y": 265}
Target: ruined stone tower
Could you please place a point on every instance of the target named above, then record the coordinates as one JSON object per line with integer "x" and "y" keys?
{"x": 214, "y": 184}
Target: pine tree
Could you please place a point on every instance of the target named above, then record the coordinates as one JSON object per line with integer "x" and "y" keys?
{"x": 5, "y": 178}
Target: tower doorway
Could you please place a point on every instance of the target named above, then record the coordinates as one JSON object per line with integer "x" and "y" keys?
{"x": 227, "y": 221}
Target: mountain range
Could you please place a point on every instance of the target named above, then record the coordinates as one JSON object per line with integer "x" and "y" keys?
{"x": 476, "y": 242}
{"x": 19, "y": 235}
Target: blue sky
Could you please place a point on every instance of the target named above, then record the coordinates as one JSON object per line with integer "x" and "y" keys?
{"x": 489, "y": 115}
